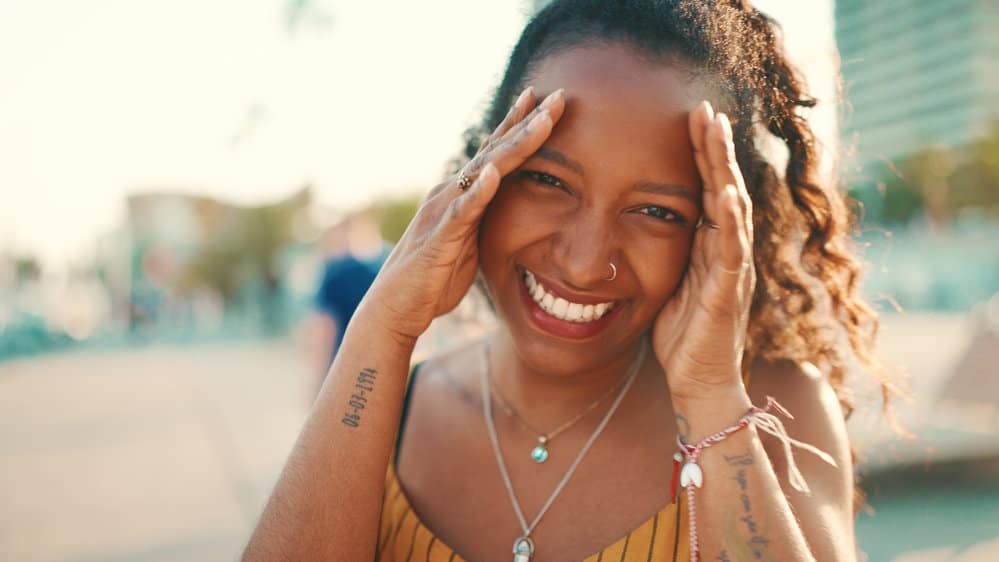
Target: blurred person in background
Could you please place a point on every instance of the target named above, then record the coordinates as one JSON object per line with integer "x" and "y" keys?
{"x": 655, "y": 274}
{"x": 354, "y": 253}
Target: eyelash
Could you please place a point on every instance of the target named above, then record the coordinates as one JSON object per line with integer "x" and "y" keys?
{"x": 547, "y": 180}
{"x": 664, "y": 214}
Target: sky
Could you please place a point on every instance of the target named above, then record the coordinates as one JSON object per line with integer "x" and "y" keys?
{"x": 360, "y": 100}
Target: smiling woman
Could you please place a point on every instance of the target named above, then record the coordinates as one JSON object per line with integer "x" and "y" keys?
{"x": 619, "y": 223}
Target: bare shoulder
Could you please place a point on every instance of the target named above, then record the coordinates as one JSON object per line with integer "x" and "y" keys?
{"x": 441, "y": 441}
{"x": 451, "y": 373}
{"x": 804, "y": 391}
{"x": 800, "y": 387}
{"x": 443, "y": 398}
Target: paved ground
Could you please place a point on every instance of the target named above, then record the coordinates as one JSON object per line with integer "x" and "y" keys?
{"x": 167, "y": 454}
{"x": 154, "y": 454}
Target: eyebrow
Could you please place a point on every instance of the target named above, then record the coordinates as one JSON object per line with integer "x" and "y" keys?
{"x": 667, "y": 189}
{"x": 560, "y": 159}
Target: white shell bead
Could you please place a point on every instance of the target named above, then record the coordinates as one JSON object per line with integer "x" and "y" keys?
{"x": 691, "y": 474}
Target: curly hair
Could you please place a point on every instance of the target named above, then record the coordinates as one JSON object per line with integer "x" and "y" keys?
{"x": 807, "y": 298}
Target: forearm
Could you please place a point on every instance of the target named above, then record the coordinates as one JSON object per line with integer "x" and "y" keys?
{"x": 742, "y": 513}
{"x": 327, "y": 500}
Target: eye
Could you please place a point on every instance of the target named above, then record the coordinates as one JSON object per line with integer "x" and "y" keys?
{"x": 546, "y": 179}
{"x": 664, "y": 214}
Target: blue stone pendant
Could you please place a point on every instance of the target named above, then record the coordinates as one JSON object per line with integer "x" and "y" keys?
{"x": 540, "y": 453}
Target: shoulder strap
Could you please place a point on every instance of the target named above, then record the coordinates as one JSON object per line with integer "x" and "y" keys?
{"x": 405, "y": 408}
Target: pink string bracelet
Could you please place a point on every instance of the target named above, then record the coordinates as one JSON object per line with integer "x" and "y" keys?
{"x": 691, "y": 477}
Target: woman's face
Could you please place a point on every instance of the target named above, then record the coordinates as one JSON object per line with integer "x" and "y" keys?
{"x": 615, "y": 182}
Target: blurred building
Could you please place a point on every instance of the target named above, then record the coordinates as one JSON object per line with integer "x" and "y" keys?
{"x": 917, "y": 73}
{"x": 194, "y": 261}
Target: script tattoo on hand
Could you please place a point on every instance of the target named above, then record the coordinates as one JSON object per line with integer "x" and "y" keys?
{"x": 364, "y": 386}
{"x": 757, "y": 543}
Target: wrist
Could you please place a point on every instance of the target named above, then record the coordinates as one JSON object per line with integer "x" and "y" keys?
{"x": 377, "y": 328}
{"x": 702, "y": 414}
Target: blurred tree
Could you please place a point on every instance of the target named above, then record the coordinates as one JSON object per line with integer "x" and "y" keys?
{"x": 937, "y": 183}
{"x": 975, "y": 181}
{"x": 393, "y": 216}
{"x": 243, "y": 251}
{"x": 894, "y": 198}
{"x": 26, "y": 268}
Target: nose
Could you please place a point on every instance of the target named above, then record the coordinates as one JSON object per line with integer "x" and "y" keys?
{"x": 583, "y": 250}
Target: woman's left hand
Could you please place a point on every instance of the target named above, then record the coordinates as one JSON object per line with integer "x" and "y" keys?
{"x": 700, "y": 335}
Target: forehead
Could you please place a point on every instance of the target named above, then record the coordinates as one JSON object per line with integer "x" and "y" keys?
{"x": 620, "y": 104}
{"x": 619, "y": 72}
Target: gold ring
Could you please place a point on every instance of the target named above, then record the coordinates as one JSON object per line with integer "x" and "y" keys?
{"x": 745, "y": 265}
{"x": 705, "y": 222}
{"x": 464, "y": 182}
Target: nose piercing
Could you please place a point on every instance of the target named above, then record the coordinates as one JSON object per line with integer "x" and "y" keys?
{"x": 613, "y": 274}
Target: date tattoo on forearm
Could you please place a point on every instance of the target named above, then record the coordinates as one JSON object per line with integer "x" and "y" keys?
{"x": 363, "y": 387}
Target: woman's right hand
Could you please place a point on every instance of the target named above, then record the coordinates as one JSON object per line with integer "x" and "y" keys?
{"x": 432, "y": 267}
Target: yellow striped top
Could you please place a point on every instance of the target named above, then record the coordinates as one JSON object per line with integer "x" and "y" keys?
{"x": 403, "y": 537}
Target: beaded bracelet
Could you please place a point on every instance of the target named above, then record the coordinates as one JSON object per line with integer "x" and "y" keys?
{"x": 691, "y": 477}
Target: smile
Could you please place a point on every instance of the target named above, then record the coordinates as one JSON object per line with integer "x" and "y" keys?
{"x": 562, "y": 309}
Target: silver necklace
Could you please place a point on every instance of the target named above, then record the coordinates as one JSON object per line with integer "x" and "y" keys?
{"x": 540, "y": 452}
{"x": 523, "y": 546}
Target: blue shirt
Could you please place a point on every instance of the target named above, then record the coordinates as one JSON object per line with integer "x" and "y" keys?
{"x": 344, "y": 283}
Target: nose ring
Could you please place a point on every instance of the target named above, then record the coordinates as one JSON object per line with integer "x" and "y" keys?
{"x": 613, "y": 274}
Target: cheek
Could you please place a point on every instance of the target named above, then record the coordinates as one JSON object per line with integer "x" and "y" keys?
{"x": 513, "y": 221}
{"x": 659, "y": 266}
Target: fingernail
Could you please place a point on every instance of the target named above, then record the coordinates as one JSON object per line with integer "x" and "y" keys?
{"x": 708, "y": 109}
{"x": 552, "y": 98}
{"x": 523, "y": 96}
{"x": 726, "y": 126}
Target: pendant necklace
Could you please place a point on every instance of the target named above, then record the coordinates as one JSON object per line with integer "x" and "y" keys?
{"x": 540, "y": 452}
{"x": 523, "y": 546}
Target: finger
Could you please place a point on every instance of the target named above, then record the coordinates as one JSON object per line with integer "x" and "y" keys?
{"x": 527, "y": 136}
{"x": 698, "y": 122}
{"x": 724, "y": 168}
{"x": 732, "y": 170}
{"x": 438, "y": 189}
{"x": 468, "y": 207}
{"x": 517, "y": 112}
{"x": 730, "y": 266}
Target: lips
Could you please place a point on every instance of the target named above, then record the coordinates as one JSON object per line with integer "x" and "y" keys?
{"x": 552, "y": 312}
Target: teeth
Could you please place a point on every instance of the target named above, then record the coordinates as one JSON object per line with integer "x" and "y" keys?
{"x": 575, "y": 312}
{"x": 561, "y": 305}
{"x": 547, "y": 302}
{"x": 561, "y": 308}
